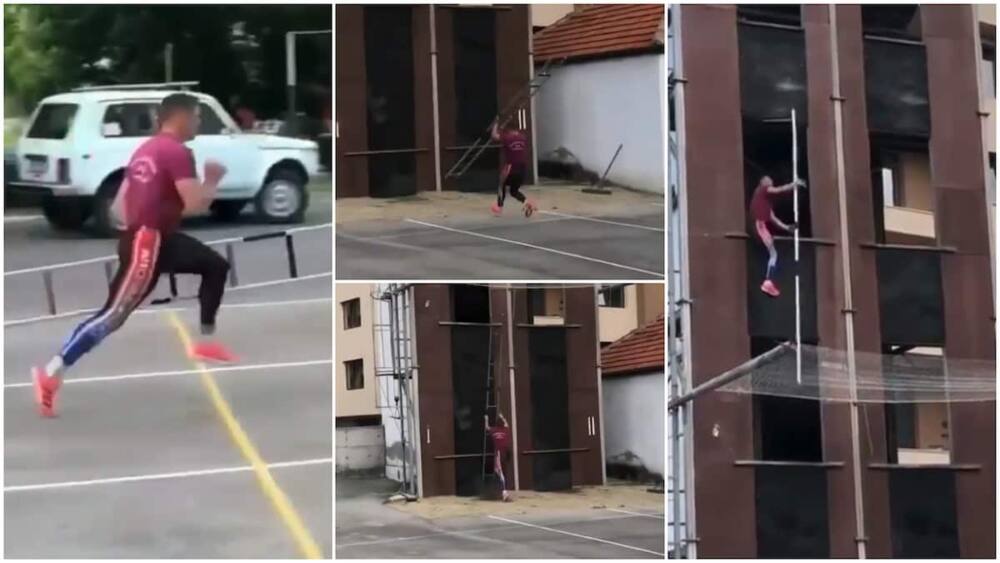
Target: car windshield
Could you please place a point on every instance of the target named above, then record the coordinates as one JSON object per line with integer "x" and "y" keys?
{"x": 53, "y": 121}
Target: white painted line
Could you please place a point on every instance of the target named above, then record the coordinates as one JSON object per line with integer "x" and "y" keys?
{"x": 605, "y": 221}
{"x": 575, "y": 535}
{"x": 220, "y": 369}
{"x": 466, "y": 532}
{"x": 152, "y": 310}
{"x": 160, "y": 476}
{"x": 20, "y": 218}
{"x": 643, "y": 514}
{"x": 278, "y": 282}
{"x": 536, "y": 247}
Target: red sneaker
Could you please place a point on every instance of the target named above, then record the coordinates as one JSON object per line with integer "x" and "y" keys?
{"x": 45, "y": 391}
{"x": 529, "y": 207}
{"x": 769, "y": 288}
{"x": 496, "y": 209}
{"x": 212, "y": 352}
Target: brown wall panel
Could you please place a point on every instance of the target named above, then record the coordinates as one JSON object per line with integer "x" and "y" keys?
{"x": 584, "y": 401}
{"x": 432, "y": 303}
{"x": 723, "y": 423}
{"x": 957, "y": 175}
{"x": 522, "y": 378}
{"x": 513, "y": 65}
{"x": 352, "y": 172}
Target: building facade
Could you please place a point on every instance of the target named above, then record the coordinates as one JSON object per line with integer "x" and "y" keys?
{"x": 360, "y": 441}
{"x": 626, "y": 307}
{"x": 465, "y": 351}
{"x": 890, "y": 140}
{"x": 416, "y": 86}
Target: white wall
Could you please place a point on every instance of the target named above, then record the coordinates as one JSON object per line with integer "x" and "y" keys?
{"x": 360, "y": 448}
{"x": 634, "y": 419}
{"x": 591, "y": 107}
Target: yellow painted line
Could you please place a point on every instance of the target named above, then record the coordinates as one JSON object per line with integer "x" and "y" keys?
{"x": 303, "y": 539}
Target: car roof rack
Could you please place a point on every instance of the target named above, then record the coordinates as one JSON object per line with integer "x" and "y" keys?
{"x": 148, "y": 86}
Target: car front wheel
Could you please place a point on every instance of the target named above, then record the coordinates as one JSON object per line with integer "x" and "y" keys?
{"x": 283, "y": 199}
{"x": 66, "y": 213}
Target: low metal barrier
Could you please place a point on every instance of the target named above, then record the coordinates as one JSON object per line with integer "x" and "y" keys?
{"x": 47, "y": 272}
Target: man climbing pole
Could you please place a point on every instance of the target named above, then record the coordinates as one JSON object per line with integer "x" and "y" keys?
{"x": 514, "y": 144}
{"x": 500, "y": 435}
{"x": 762, "y": 210}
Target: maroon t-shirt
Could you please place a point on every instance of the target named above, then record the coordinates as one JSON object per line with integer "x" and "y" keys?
{"x": 760, "y": 204}
{"x": 515, "y": 147}
{"x": 152, "y": 199}
{"x": 501, "y": 438}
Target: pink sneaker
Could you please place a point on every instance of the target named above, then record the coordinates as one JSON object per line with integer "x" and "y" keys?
{"x": 212, "y": 352}
{"x": 45, "y": 391}
{"x": 529, "y": 207}
{"x": 496, "y": 209}
{"x": 769, "y": 288}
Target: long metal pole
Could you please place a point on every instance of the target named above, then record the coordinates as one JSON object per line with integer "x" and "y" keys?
{"x": 600, "y": 388}
{"x": 728, "y": 376}
{"x": 798, "y": 295}
{"x": 435, "y": 103}
{"x": 845, "y": 259}
{"x": 290, "y": 74}
{"x": 510, "y": 374}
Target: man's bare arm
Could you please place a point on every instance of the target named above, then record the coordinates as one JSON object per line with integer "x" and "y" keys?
{"x": 118, "y": 205}
{"x": 786, "y": 188}
{"x": 778, "y": 222}
{"x": 198, "y": 196}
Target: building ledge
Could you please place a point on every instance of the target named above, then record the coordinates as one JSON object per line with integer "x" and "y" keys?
{"x": 948, "y": 466}
{"x": 774, "y": 463}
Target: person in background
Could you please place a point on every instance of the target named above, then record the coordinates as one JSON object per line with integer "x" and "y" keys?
{"x": 245, "y": 117}
{"x": 500, "y": 435}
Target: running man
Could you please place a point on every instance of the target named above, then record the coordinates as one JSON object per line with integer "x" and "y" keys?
{"x": 762, "y": 211}
{"x": 501, "y": 450}
{"x": 160, "y": 185}
{"x": 515, "y": 156}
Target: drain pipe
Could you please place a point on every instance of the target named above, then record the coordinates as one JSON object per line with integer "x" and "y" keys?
{"x": 860, "y": 539}
{"x": 510, "y": 375}
{"x": 435, "y": 102}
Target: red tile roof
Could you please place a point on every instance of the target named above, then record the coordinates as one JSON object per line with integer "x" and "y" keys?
{"x": 602, "y": 30}
{"x": 638, "y": 351}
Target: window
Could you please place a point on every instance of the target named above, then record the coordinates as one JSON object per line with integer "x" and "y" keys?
{"x": 892, "y": 22}
{"x": 471, "y": 303}
{"x": 989, "y": 68}
{"x": 211, "y": 124}
{"x": 129, "y": 120}
{"x": 546, "y": 306}
{"x": 918, "y": 433}
{"x": 53, "y": 121}
{"x": 355, "y": 370}
{"x": 352, "y": 313}
{"x": 903, "y": 194}
{"x": 762, "y": 13}
{"x": 612, "y": 296}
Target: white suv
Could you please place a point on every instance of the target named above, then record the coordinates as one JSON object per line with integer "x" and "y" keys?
{"x": 77, "y": 144}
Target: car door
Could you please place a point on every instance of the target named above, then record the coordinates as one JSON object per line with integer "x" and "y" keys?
{"x": 220, "y": 140}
